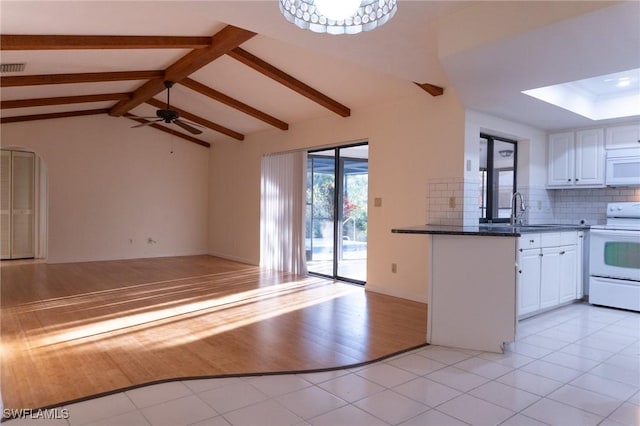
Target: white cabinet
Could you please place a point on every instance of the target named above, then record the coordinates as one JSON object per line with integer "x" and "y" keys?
{"x": 548, "y": 275}
{"x": 582, "y": 272}
{"x": 561, "y": 159}
{"x": 576, "y": 159}
{"x": 568, "y": 278}
{"x": 529, "y": 281}
{"x": 627, "y": 136}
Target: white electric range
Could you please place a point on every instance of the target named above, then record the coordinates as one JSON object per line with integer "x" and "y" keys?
{"x": 614, "y": 258}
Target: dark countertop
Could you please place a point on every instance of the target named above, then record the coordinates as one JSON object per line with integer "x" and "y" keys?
{"x": 490, "y": 230}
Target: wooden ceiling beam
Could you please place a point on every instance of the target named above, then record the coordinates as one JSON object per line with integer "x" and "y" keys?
{"x": 63, "y": 100}
{"x": 222, "y": 42}
{"x": 431, "y": 89}
{"x": 171, "y": 132}
{"x": 66, "y": 42}
{"x": 197, "y": 119}
{"x": 233, "y": 103}
{"x": 289, "y": 81}
{"x": 89, "y": 77}
{"x": 34, "y": 117}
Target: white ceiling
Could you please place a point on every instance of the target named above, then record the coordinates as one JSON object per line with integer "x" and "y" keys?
{"x": 487, "y": 52}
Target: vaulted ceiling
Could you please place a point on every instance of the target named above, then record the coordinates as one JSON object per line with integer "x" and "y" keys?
{"x": 240, "y": 68}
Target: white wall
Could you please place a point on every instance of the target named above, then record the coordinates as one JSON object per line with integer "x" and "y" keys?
{"x": 110, "y": 188}
{"x": 411, "y": 140}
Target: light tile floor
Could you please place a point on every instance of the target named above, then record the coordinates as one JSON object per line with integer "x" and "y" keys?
{"x": 578, "y": 365}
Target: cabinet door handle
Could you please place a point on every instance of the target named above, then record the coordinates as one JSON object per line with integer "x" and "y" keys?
{"x": 569, "y": 180}
{"x": 563, "y": 252}
{"x": 577, "y": 179}
{"x": 541, "y": 255}
{"x": 520, "y": 271}
{"x": 531, "y": 241}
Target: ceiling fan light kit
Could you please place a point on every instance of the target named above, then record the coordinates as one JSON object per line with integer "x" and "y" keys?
{"x": 355, "y": 17}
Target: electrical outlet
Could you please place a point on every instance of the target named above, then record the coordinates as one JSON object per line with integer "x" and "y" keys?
{"x": 394, "y": 267}
{"x": 377, "y": 202}
{"x": 452, "y": 202}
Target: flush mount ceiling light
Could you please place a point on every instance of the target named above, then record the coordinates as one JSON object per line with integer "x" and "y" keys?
{"x": 603, "y": 97}
{"x": 338, "y": 16}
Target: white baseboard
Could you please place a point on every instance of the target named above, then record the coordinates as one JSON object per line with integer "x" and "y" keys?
{"x": 396, "y": 293}
{"x": 116, "y": 257}
{"x": 234, "y": 258}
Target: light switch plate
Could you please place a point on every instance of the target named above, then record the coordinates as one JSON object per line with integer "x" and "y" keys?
{"x": 377, "y": 202}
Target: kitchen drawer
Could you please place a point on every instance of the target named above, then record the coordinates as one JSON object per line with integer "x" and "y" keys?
{"x": 554, "y": 239}
{"x": 529, "y": 241}
{"x": 551, "y": 239}
{"x": 568, "y": 238}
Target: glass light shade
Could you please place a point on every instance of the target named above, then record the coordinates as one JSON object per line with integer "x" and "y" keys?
{"x": 337, "y": 9}
{"x": 369, "y": 15}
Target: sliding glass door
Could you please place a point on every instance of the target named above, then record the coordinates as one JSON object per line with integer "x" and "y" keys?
{"x": 336, "y": 216}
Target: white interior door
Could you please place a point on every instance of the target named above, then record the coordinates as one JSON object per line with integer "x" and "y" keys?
{"x": 18, "y": 205}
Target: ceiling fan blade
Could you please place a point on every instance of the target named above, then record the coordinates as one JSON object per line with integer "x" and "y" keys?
{"x": 145, "y": 124}
{"x": 187, "y": 127}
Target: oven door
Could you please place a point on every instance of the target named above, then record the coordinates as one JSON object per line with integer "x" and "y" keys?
{"x": 615, "y": 254}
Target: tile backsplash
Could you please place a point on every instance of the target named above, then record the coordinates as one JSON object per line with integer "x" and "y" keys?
{"x": 573, "y": 205}
{"x": 543, "y": 205}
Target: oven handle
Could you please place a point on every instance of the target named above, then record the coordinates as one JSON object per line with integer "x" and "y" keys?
{"x": 624, "y": 233}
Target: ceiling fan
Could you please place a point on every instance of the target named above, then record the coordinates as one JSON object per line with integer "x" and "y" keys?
{"x": 169, "y": 115}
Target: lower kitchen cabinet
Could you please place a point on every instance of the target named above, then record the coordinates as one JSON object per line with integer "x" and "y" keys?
{"x": 569, "y": 282}
{"x": 529, "y": 281}
{"x": 549, "y": 277}
{"x": 548, "y": 274}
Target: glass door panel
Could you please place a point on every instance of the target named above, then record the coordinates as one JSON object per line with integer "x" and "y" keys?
{"x": 352, "y": 250}
{"x": 321, "y": 178}
{"x": 336, "y": 220}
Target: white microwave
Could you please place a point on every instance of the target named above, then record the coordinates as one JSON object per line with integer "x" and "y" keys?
{"x": 623, "y": 167}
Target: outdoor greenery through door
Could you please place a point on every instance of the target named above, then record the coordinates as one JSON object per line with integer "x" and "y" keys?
{"x": 336, "y": 212}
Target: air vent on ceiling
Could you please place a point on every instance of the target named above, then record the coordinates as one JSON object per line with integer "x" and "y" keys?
{"x": 12, "y": 67}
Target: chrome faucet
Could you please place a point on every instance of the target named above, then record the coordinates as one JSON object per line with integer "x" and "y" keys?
{"x": 517, "y": 212}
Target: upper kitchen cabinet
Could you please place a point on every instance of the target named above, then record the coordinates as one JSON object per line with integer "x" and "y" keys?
{"x": 627, "y": 136}
{"x": 576, "y": 159}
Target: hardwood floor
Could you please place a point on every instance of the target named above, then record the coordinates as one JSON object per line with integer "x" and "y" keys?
{"x": 71, "y": 331}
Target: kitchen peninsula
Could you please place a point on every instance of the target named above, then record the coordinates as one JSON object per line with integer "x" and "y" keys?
{"x": 481, "y": 282}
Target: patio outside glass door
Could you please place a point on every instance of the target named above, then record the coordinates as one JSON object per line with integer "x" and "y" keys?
{"x": 336, "y": 219}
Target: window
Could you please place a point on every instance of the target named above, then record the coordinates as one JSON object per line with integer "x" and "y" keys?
{"x": 498, "y": 158}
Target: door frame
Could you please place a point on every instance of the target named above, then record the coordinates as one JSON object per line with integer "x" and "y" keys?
{"x": 338, "y": 199}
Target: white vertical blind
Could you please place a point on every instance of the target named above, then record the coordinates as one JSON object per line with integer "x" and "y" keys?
{"x": 282, "y": 212}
